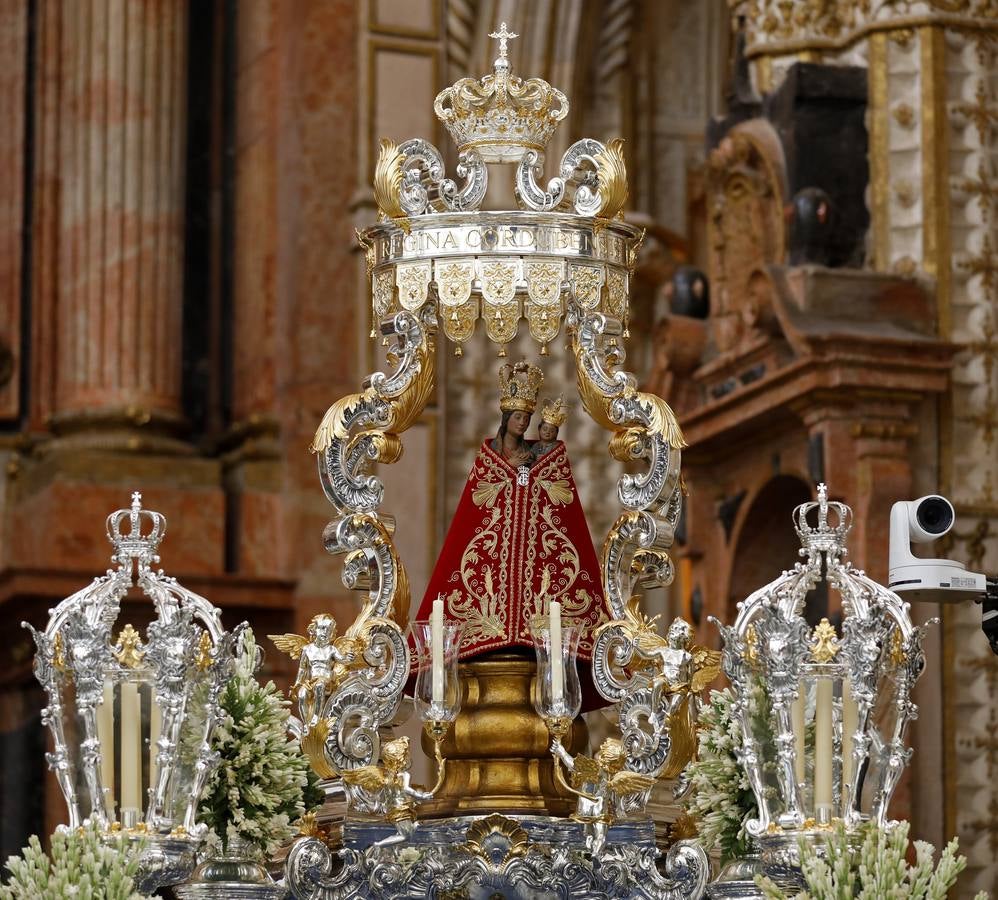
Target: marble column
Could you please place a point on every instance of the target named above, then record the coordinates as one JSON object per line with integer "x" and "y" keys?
{"x": 121, "y": 154}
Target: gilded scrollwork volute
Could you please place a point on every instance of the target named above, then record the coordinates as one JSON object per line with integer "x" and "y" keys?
{"x": 348, "y": 705}
{"x": 363, "y": 429}
{"x": 746, "y": 193}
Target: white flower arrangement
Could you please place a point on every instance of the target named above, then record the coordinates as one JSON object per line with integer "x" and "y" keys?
{"x": 720, "y": 800}
{"x": 876, "y": 871}
{"x": 84, "y": 864}
{"x": 263, "y": 783}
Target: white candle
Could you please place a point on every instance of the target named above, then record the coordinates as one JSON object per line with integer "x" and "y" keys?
{"x": 797, "y": 722}
{"x": 105, "y": 733}
{"x": 155, "y": 727}
{"x": 131, "y": 747}
{"x": 850, "y": 719}
{"x": 823, "y": 749}
{"x": 437, "y": 651}
{"x": 557, "y": 661}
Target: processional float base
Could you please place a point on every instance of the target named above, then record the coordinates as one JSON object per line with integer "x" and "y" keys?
{"x": 497, "y": 752}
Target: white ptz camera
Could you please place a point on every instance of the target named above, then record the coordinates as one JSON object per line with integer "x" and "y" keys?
{"x": 932, "y": 580}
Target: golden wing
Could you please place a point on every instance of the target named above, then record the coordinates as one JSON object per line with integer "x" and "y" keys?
{"x": 313, "y": 746}
{"x": 292, "y": 644}
{"x": 706, "y": 667}
{"x": 388, "y": 180}
{"x": 584, "y": 770}
{"x": 624, "y": 783}
{"x": 371, "y": 778}
{"x": 649, "y": 641}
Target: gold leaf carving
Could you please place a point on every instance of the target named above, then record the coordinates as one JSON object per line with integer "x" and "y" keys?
{"x": 413, "y": 283}
{"x": 825, "y": 646}
{"x": 612, "y": 174}
{"x": 130, "y": 655}
{"x": 388, "y": 180}
{"x": 586, "y": 284}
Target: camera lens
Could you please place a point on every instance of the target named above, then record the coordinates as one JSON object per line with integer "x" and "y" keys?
{"x": 935, "y": 515}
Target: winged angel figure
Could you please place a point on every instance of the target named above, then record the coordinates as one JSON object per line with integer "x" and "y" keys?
{"x": 681, "y": 671}
{"x": 603, "y": 786}
{"x": 386, "y": 789}
{"x": 325, "y": 663}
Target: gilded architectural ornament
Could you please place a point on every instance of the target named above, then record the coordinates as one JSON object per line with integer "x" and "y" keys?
{"x": 904, "y": 115}
{"x": 825, "y": 642}
{"x": 128, "y": 649}
{"x": 413, "y": 284}
{"x": 481, "y": 838}
{"x": 384, "y": 294}
{"x": 777, "y": 28}
{"x": 388, "y": 180}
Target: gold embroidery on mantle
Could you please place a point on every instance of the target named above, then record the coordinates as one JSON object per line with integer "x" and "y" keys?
{"x": 487, "y": 492}
{"x": 523, "y": 537}
{"x": 557, "y": 491}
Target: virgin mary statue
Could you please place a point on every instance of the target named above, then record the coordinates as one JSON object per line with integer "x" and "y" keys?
{"x": 519, "y": 537}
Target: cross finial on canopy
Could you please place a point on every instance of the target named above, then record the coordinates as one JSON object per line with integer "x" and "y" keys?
{"x": 503, "y": 36}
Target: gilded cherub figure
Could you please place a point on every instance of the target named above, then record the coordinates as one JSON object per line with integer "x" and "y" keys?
{"x": 325, "y": 662}
{"x": 386, "y": 789}
{"x": 603, "y": 785}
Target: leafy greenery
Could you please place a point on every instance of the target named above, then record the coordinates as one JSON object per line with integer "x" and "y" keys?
{"x": 721, "y": 800}
{"x": 876, "y": 871}
{"x": 83, "y": 864}
{"x": 263, "y": 783}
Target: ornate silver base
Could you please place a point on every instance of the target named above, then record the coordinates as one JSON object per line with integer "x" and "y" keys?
{"x": 236, "y": 875}
{"x": 520, "y": 858}
{"x": 230, "y": 890}
{"x": 737, "y": 879}
{"x": 166, "y": 860}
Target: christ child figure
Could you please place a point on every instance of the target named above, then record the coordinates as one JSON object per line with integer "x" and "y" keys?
{"x": 553, "y": 415}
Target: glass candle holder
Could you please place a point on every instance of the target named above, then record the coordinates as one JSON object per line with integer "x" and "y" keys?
{"x": 556, "y": 696}
{"x": 438, "y": 688}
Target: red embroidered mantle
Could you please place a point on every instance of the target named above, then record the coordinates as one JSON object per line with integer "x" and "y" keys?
{"x": 519, "y": 538}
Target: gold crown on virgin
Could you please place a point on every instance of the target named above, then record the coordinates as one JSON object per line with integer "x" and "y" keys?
{"x": 501, "y": 115}
{"x": 555, "y": 412}
{"x": 519, "y": 386}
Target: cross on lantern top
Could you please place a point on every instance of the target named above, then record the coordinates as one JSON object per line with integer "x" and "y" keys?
{"x": 503, "y": 36}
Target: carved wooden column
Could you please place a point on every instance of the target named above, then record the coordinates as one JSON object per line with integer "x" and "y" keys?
{"x": 121, "y": 150}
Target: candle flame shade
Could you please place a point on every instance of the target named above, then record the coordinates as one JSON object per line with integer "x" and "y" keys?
{"x": 849, "y": 690}
{"x": 549, "y": 706}
{"x": 163, "y": 694}
{"x": 448, "y": 704}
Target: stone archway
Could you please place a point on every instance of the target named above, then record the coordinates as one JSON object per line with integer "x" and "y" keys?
{"x": 765, "y": 541}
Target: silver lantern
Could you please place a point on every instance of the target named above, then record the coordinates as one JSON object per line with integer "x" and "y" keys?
{"x": 132, "y": 718}
{"x": 823, "y": 710}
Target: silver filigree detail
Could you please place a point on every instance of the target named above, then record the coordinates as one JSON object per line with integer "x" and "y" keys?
{"x": 424, "y": 187}
{"x": 769, "y": 652}
{"x": 577, "y": 169}
{"x": 554, "y": 865}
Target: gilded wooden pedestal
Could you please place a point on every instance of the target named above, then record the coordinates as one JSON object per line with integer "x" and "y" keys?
{"x": 497, "y": 752}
